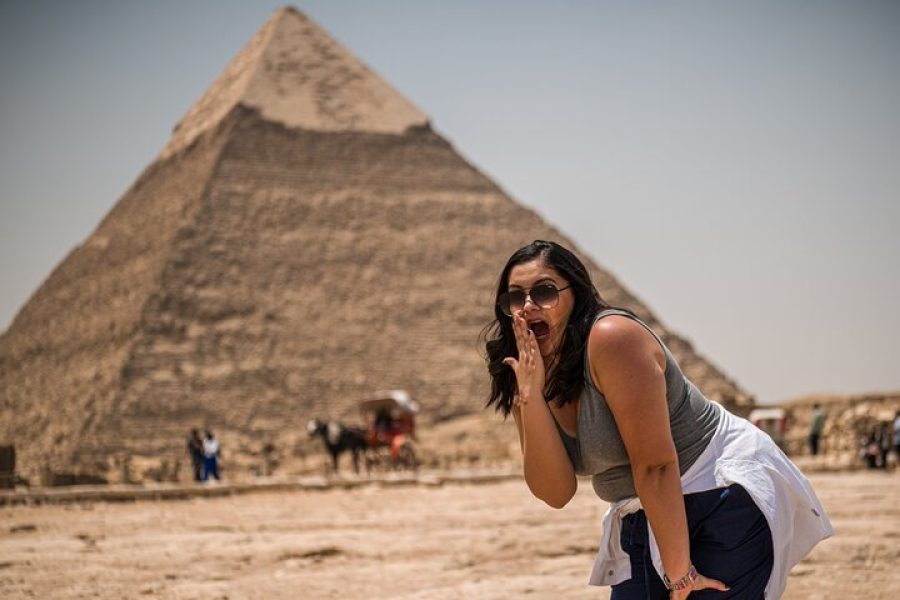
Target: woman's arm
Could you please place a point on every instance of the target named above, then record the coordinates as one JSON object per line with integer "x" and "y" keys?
{"x": 628, "y": 366}
{"x": 548, "y": 470}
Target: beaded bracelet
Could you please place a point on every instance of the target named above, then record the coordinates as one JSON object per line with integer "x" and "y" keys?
{"x": 682, "y": 583}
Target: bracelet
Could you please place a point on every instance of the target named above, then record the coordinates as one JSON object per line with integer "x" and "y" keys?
{"x": 682, "y": 583}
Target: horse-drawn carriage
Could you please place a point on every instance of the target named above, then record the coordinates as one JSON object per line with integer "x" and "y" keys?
{"x": 386, "y": 438}
{"x": 390, "y": 424}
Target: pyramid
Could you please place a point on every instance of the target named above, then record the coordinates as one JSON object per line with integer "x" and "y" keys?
{"x": 304, "y": 239}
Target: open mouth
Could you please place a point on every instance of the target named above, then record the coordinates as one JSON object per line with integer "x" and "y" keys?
{"x": 540, "y": 329}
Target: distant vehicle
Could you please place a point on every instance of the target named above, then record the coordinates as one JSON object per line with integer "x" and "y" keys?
{"x": 389, "y": 419}
{"x": 771, "y": 420}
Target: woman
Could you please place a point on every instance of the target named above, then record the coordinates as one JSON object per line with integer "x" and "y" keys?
{"x": 210, "y": 456}
{"x": 702, "y": 503}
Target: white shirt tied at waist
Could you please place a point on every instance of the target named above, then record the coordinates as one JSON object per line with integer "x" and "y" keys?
{"x": 737, "y": 453}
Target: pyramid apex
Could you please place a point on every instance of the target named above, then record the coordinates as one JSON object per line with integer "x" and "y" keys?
{"x": 290, "y": 12}
{"x": 293, "y": 72}
{"x": 287, "y": 8}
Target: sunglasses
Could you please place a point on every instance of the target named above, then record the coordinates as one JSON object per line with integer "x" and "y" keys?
{"x": 545, "y": 295}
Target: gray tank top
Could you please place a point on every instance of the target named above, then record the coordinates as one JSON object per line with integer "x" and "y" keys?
{"x": 598, "y": 450}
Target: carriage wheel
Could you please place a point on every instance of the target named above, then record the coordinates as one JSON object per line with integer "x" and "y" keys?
{"x": 407, "y": 457}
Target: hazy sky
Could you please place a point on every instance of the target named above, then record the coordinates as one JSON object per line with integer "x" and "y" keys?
{"x": 736, "y": 165}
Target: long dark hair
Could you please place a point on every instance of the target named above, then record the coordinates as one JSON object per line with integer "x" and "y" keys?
{"x": 567, "y": 378}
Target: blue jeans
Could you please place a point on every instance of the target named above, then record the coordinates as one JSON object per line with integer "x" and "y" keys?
{"x": 210, "y": 467}
{"x": 730, "y": 541}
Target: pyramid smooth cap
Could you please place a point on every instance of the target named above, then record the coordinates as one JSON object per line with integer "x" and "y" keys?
{"x": 294, "y": 73}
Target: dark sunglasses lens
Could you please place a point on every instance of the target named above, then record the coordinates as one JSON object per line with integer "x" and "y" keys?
{"x": 545, "y": 296}
{"x": 503, "y": 303}
{"x": 510, "y": 302}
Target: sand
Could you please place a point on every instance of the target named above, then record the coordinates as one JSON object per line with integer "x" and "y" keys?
{"x": 454, "y": 541}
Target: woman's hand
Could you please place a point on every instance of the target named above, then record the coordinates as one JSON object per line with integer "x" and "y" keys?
{"x": 529, "y": 367}
{"x": 701, "y": 583}
{"x": 548, "y": 469}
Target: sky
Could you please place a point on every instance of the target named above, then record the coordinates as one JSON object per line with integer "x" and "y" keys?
{"x": 736, "y": 165}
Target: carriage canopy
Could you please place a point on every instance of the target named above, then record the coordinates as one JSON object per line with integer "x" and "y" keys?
{"x": 396, "y": 402}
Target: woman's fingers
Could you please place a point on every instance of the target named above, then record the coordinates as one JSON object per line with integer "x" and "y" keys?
{"x": 517, "y": 331}
{"x": 528, "y": 337}
{"x": 534, "y": 352}
{"x": 528, "y": 346}
{"x": 702, "y": 583}
{"x": 528, "y": 361}
{"x": 715, "y": 584}
{"x": 522, "y": 336}
{"x": 522, "y": 327}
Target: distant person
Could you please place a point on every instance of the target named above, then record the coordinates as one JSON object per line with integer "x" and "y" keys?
{"x": 210, "y": 456}
{"x": 383, "y": 425}
{"x": 871, "y": 448}
{"x": 884, "y": 444}
{"x": 195, "y": 452}
{"x": 269, "y": 458}
{"x": 816, "y": 427}
{"x": 692, "y": 488}
{"x": 897, "y": 435}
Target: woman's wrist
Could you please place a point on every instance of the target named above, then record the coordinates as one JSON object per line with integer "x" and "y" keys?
{"x": 684, "y": 582}
{"x": 532, "y": 398}
{"x": 533, "y": 405}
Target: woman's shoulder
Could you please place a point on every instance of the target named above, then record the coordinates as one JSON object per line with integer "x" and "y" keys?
{"x": 617, "y": 330}
{"x": 617, "y": 337}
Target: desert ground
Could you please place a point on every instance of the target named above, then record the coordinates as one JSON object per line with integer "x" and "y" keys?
{"x": 489, "y": 540}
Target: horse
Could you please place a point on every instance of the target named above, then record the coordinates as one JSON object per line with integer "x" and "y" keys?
{"x": 339, "y": 438}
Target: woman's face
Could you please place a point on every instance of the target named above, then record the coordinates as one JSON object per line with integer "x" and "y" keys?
{"x": 548, "y": 324}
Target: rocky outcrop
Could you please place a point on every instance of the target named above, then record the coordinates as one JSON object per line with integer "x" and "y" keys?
{"x": 850, "y": 418}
